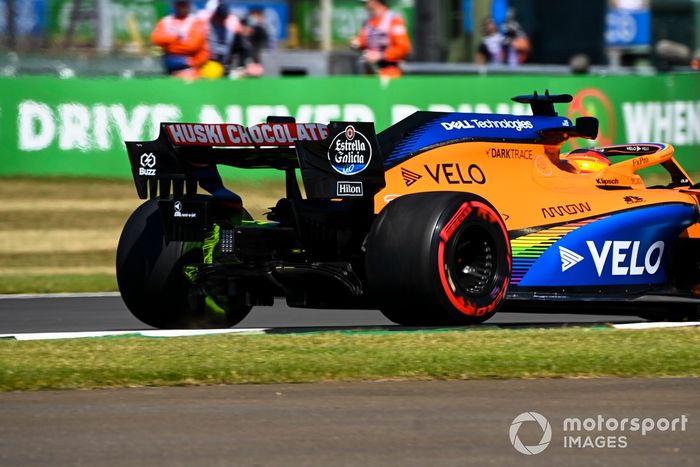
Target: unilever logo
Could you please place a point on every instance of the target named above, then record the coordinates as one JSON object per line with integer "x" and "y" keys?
{"x": 546, "y": 433}
{"x": 350, "y": 152}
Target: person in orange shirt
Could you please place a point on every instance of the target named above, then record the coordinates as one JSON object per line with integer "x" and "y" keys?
{"x": 383, "y": 40}
{"x": 183, "y": 38}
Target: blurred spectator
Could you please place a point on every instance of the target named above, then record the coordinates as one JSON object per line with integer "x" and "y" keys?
{"x": 516, "y": 44}
{"x": 255, "y": 30}
{"x": 383, "y": 40}
{"x": 491, "y": 46}
{"x": 224, "y": 28}
{"x": 695, "y": 61}
{"x": 580, "y": 64}
{"x": 183, "y": 38}
{"x": 512, "y": 47}
{"x": 671, "y": 53}
{"x": 229, "y": 47}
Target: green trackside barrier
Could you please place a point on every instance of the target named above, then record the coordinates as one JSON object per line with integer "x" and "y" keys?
{"x": 51, "y": 126}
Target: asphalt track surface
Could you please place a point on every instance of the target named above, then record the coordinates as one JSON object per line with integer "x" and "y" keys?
{"x": 108, "y": 313}
{"x": 437, "y": 423}
{"x": 428, "y": 423}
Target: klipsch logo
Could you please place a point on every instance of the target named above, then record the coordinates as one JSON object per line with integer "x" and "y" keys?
{"x": 147, "y": 161}
{"x": 350, "y": 152}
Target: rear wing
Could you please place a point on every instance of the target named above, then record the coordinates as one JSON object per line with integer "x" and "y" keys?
{"x": 339, "y": 160}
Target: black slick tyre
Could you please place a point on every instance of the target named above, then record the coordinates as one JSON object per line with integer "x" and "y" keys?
{"x": 152, "y": 283}
{"x": 438, "y": 258}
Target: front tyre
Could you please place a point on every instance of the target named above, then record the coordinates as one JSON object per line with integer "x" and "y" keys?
{"x": 152, "y": 283}
{"x": 438, "y": 258}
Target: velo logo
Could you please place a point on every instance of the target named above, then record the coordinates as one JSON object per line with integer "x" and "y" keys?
{"x": 546, "y": 433}
{"x": 568, "y": 258}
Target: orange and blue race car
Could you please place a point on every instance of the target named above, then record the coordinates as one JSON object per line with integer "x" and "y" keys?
{"x": 440, "y": 219}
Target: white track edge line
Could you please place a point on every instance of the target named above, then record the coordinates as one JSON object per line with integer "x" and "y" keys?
{"x": 24, "y": 296}
{"x": 659, "y": 325}
{"x": 205, "y": 332}
{"x": 142, "y": 333}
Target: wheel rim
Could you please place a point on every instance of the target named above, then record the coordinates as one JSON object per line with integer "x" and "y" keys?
{"x": 472, "y": 267}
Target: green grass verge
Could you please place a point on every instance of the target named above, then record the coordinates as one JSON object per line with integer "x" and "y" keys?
{"x": 339, "y": 356}
{"x": 53, "y": 283}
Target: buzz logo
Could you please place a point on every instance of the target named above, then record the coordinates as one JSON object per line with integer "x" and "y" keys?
{"x": 147, "y": 161}
{"x": 625, "y": 259}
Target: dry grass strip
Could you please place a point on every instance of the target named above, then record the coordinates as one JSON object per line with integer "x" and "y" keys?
{"x": 54, "y": 240}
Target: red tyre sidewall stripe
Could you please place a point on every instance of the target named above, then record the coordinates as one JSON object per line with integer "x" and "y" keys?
{"x": 486, "y": 213}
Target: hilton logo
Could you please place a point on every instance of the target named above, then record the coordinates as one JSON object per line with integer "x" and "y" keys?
{"x": 349, "y": 189}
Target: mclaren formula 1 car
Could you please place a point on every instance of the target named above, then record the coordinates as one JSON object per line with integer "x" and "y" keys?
{"x": 438, "y": 220}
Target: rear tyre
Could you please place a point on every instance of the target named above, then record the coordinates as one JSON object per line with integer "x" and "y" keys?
{"x": 438, "y": 258}
{"x": 153, "y": 285}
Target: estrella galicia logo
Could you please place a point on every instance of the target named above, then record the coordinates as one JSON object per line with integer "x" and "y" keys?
{"x": 535, "y": 448}
{"x": 350, "y": 152}
{"x": 147, "y": 161}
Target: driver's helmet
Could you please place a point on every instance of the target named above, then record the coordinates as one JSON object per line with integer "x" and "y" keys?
{"x": 585, "y": 161}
